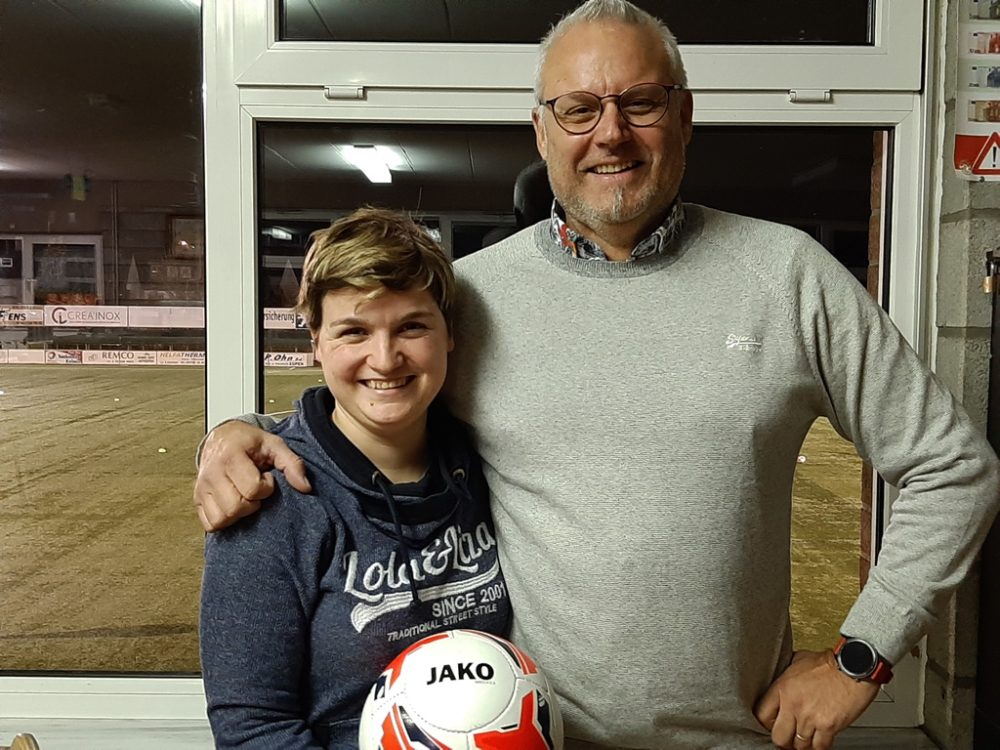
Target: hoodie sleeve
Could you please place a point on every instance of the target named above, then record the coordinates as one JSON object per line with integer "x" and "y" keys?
{"x": 259, "y": 590}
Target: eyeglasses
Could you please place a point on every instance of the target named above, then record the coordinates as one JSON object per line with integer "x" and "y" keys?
{"x": 642, "y": 105}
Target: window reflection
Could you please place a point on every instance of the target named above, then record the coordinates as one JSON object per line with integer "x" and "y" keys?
{"x": 526, "y": 21}
{"x": 458, "y": 180}
{"x": 102, "y": 344}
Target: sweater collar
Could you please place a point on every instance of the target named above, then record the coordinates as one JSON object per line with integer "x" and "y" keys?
{"x": 578, "y": 246}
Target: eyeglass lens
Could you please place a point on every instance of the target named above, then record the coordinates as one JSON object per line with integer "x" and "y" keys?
{"x": 640, "y": 105}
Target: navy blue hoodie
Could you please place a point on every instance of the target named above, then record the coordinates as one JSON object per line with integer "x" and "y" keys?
{"x": 304, "y": 603}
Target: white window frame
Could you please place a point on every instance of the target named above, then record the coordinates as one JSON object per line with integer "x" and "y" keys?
{"x": 887, "y": 65}
{"x": 252, "y": 78}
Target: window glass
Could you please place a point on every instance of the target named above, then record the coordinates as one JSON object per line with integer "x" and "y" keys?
{"x": 102, "y": 344}
{"x": 458, "y": 180}
{"x": 526, "y": 21}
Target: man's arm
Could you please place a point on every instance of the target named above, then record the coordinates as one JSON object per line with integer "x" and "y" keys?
{"x": 232, "y": 473}
{"x": 909, "y": 427}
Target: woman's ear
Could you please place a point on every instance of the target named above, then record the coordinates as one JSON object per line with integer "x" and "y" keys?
{"x": 314, "y": 340}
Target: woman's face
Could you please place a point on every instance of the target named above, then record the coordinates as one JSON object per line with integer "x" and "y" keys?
{"x": 384, "y": 360}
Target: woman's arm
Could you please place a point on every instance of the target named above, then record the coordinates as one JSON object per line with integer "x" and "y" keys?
{"x": 256, "y": 604}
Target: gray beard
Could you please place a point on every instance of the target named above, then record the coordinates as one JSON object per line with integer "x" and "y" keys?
{"x": 616, "y": 213}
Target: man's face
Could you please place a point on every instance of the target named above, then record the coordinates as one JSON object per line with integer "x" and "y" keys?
{"x": 617, "y": 177}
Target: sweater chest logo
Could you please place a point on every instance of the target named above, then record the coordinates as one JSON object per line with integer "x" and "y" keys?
{"x": 384, "y": 587}
{"x": 744, "y": 343}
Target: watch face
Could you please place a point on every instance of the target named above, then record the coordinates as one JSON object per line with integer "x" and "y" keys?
{"x": 858, "y": 658}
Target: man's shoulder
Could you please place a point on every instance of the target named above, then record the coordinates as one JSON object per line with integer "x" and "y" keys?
{"x": 761, "y": 243}
{"x": 500, "y": 259}
{"x": 718, "y": 226}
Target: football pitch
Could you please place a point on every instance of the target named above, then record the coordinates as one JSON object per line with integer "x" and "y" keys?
{"x": 101, "y": 551}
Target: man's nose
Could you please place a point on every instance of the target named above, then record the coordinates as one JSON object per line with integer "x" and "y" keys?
{"x": 611, "y": 126}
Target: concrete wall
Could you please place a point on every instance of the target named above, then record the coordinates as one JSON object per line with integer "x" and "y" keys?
{"x": 969, "y": 225}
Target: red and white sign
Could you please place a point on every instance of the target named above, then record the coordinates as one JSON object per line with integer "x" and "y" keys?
{"x": 63, "y": 357}
{"x": 978, "y": 155}
{"x": 22, "y": 315}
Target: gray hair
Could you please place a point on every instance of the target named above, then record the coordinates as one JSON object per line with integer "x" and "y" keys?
{"x": 611, "y": 10}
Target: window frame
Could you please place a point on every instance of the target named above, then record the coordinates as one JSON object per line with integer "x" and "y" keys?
{"x": 251, "y": 78}
{"x": 261, "y": 59}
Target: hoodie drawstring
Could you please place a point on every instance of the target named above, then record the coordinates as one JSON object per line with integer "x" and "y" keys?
{"x": 401, "y": 544}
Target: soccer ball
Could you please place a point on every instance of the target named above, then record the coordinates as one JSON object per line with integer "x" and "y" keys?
{"x": 461, "y": 690}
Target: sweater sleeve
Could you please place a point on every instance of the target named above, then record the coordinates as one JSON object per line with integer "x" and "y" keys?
{"x": 259, "y": 588}
{"x": 902, "y": 420}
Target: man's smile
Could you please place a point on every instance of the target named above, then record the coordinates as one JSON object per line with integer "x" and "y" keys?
{"x": 613, "y": 168}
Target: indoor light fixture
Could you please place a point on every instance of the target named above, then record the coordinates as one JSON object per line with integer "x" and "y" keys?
{"x": 369, "y": 159}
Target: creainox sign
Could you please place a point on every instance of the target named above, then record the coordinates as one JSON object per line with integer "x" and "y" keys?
{"x": 86, "y": 316}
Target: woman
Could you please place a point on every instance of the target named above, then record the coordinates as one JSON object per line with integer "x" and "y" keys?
{"x": 304, "y": 603}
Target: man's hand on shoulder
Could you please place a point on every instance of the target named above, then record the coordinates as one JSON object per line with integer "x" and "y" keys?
{"x": 230, "y": 483}
{"x": 811, "y": 702}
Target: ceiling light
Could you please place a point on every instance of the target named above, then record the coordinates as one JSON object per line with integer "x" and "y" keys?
{"x": 370, "y": 160}
{"x": 278, "y": 233}
{"x": 393, "y": 158}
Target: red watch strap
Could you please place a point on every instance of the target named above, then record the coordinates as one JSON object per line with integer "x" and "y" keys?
{"x": 882, "y": 673}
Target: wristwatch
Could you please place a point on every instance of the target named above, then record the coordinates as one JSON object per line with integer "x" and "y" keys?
{"x": 859, "y": 660}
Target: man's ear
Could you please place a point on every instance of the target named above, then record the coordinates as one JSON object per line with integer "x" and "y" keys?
{"x": 541, "y": 141}
{"x": 687, "y": 115}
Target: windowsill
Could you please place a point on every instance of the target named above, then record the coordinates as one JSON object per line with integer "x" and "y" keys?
{"x": 110, "y": 734}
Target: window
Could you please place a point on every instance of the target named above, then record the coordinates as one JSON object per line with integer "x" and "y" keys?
{"x": 455, "y": 177}
{"x": 526, "y": 21}
{"x": 102, "y": 343}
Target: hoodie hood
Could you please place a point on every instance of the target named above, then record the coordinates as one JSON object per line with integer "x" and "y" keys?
{"x": 412, "y": 512}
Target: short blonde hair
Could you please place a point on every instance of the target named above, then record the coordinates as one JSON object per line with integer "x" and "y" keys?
{"x": 611, "y": 10}
{"x": 372, "y": 250}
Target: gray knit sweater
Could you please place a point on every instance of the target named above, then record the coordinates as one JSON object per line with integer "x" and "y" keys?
{"x": 640, "y": 423}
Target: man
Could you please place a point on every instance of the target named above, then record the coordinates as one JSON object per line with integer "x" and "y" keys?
{"x": 640, "y": 375}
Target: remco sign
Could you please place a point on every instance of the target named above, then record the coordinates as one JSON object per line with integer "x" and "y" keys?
{"x": 118, "y": 357}
{"x": 86, "y": 316}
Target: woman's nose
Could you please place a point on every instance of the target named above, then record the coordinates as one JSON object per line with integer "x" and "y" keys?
{"x": 384, "y": 354}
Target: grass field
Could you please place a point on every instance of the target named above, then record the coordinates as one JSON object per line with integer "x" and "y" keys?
{"x": 100, "y": 550}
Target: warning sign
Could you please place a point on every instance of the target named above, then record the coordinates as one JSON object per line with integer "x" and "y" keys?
{"x": 978, "y": 155}
{"x": 988, "y": 162}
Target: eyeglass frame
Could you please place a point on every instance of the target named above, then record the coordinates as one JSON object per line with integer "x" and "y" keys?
{"x": 667, "y": 87}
